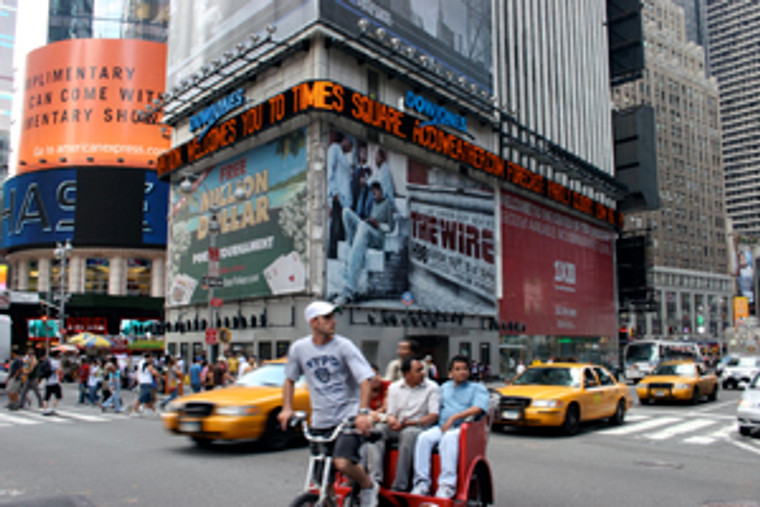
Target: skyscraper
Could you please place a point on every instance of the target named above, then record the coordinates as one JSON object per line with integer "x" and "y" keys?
{"x": 688, "y": 232}
{"x": 734, "y": 34}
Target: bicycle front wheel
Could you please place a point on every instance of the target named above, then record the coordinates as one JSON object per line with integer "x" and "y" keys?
{"x": 312, "y": 500}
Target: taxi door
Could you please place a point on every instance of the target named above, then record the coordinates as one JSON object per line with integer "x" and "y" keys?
{"x": 591, "y": 396}
{"x": 609, "y": 392}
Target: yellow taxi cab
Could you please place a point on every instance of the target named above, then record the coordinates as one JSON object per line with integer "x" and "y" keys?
{"x": 562, "y": 395}
{"x": 246, "y": 410}
{"x": 678, "y": 380}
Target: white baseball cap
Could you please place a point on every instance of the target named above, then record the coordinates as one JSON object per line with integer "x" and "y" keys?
{"x": 319, "y": 308}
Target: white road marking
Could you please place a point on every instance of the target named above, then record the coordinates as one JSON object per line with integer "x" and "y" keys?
{"x": 16, "y": 420}
{"x": 83, "y": 417}
{"x": 722, "y": 433}
{"x": 642, "y": 426}
{"x": 684, "y": 427}
{"x": 47, "y": 418}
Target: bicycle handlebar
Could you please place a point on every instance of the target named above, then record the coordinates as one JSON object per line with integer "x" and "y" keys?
{"x": 344, "y": 426}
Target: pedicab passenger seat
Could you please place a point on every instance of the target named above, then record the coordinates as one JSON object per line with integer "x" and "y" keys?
{"x": 473, "y": 438}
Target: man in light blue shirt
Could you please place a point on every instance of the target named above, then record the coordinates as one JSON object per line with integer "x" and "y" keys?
{"x": 460, "y": 399}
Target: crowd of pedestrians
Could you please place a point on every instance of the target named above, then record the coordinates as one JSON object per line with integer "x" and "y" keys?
{"x": 34, "y": 379}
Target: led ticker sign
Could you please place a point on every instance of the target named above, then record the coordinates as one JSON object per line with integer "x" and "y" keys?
{"x": 208, "y": 117}
{"x": 439, "y": 115}
{"x": 338, "y": 99}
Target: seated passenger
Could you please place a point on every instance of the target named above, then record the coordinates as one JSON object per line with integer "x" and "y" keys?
{"x": 412, "y": 405}
{"x": 460, "y": 399}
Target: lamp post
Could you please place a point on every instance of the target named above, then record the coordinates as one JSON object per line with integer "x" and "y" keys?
{"x": 187, "y": 187}
{"x": 61, "y": 252}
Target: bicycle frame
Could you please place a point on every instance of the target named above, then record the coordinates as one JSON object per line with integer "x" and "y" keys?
{"x": 320, "y": 458}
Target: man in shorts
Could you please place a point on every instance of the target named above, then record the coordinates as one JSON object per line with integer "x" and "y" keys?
{"x": 53, "y": 384}
{"x": 339, "y": 387}
{"x": 147, "y": 376}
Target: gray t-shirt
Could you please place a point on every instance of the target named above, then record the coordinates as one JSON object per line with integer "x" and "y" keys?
{"x": 333, "y": 371}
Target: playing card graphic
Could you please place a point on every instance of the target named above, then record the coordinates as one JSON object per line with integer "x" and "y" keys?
{"x": 286, "y": 274}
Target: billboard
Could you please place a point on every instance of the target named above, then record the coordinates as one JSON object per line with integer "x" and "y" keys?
{"x": 745, "y": 271}
{"x": 45, "y": 207}
{"x": 262, "y": 240}
{"x": 202, "y": 31}
{"x": 81, "y": 99}
{"x": 456, "y": 34}
{"x": 557, "y": 271}
{"x": 396, "y": 225}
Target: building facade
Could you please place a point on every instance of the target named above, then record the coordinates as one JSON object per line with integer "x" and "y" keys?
{"x": 84, "y": 212}
{"x": 733, "y": 34}
{"x": 689, "y": 251}
{"x": 497, "y": 235}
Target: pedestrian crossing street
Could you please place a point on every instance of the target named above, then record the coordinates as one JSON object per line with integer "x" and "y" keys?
{"x": 688, "y": 429}
{"x": 68, "y": 415}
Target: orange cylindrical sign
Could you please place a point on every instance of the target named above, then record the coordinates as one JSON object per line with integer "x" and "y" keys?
{"x": 81, "y": 104}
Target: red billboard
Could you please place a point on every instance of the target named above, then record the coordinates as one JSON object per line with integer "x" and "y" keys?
{"x": 82, "y": 99}
{"x": 557, "y": 271}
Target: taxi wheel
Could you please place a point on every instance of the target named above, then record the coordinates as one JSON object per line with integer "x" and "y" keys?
{"x": 714, "y": 394}
{"x": 201, "y": 442}
{"x": 745, "y": 430}
{"x": 619, "y": 417}
{"x": 572, "y": 420}
{"x": 274, "y": 437}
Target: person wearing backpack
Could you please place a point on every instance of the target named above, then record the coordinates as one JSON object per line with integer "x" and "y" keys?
{"x": 33, "y": 372}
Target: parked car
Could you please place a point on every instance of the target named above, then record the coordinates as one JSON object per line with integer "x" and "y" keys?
{"x": 247, "y": 410}
{"x": 3, "y": 374}
{"x": 562, "y": 395}
{"x": 748, "y": 413}
{"x": 678, "y": 380}
{"x": 739, "y": 373}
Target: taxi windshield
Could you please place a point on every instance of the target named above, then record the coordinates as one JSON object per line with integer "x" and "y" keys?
{"x": 549, "y": 377}
{"x": 267, "y": 375}
{"x": 684, "y": 370}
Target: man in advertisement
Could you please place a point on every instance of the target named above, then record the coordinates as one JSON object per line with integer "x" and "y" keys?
{"x": 362, "y": 235}
{"x": 338, "y": 187}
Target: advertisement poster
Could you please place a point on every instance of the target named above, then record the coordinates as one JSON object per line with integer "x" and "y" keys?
{"x": 81, "y": 103}
{"x": 41, "y": 207}
{"x": 746, "y": 261}
{"x": 558, "y": 271}
{"x": 397, "y": 225}
{"x": 261, "y": 240}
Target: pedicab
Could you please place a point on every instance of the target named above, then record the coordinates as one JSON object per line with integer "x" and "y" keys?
{"x": 474, "y": 484}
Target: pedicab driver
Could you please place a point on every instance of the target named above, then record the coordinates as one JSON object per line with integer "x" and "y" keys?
{"x": 460, "y": 399}
{"x": 339, "y": 387}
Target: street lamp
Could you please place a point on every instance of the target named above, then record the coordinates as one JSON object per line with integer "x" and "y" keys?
{"x": 61, "y": 252}
{"x": 186, "y": 186}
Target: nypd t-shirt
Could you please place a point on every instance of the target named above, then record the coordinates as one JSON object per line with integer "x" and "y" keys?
{"x": 333, "y": 371}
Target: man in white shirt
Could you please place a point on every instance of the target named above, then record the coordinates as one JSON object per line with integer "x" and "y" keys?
{"x": 53, "y": 384}
{"x": 413, "y": 404}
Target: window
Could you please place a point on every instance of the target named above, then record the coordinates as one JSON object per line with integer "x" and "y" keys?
{"x": 605, "y": 379}
{"x": 96, "y": 276}
{"x": 34, "y": 275}
{"x": 138, "y": 276}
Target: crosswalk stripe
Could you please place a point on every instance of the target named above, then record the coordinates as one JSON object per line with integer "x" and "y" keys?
{"x": 636, "y": 417}
{"x": 684, "y": 427}
{"x": 16, "y": 420}
{"x": 712, "y": 437}
{"x": 83, "y": 417}
{"x": 641, "y": 426}
{"x": 46, "y": 418}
